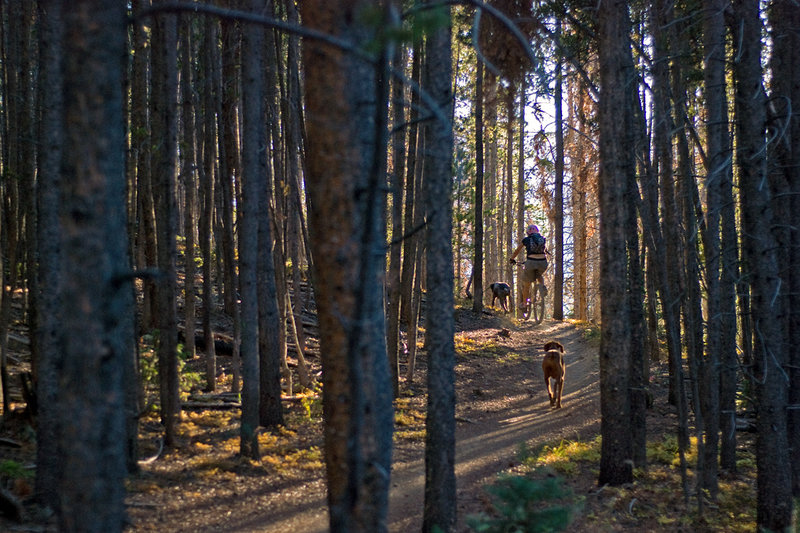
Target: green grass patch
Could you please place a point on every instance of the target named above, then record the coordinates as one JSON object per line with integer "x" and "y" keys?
{"x": 563, "y": 457}
{"x": 589, "y": 330}
{"x": 665, "y": 452}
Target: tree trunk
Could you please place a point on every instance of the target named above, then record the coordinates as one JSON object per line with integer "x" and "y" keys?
{"x": 616, "y": 74}
{"x": 558, "y": 193}
{"x": 492, "y": 210}
{"x": 717, "y": 173}
{"x": 208, "y": 171}
{"x": 580, "y": 160}
{"x": 662, "y": 24}
{"x": 508, "y": 214}
{"x": 347, "y": 139}
{"x": 270, "y": 413}
{"x": 397, "y": 182}
{"x": 410, "y": 274}
{"x": 142, "y": 157}
{"x": 640, "y": 369}
{"x": 253, "y": 180}
{"x": 95, "y": 330}
{"x": 477, "y": 262}
{"x": 48, "y": 457}
{"x": 692, "y": 297}
{"x": 188, "y": 165}
{"x": 417, "y": 261}
{"x": 229, "y": 172}
{"x": 785, "y": 185}
{"x": 164, "y": 141}
{"x": 774, "y": 498}
{"x": 298, "y": 233}
{"x": 665, "y": 242}
{"x": 440, "y": 480}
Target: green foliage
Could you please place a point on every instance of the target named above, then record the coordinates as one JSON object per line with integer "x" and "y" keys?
{"x": 312, "y": 404}
{"x": 14, "y": 470}
{"x": 522, "y": 506}
{"x": 148, "y": 366}
{"x": 421, "y": 21}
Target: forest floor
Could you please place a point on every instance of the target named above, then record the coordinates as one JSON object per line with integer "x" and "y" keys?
{"x": 506, "y": 430}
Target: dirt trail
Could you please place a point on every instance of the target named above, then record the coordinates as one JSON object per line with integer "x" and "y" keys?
{"x": 500, "y": 405}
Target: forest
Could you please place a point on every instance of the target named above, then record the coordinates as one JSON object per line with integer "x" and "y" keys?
{"x": 190, "y": 183}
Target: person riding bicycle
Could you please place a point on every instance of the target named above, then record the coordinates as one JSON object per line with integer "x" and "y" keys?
{"x": 535, "y": 262}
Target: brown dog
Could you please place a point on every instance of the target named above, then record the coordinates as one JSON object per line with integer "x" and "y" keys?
{"x": 500, "y": 291}
{"x": 553, "y": 368}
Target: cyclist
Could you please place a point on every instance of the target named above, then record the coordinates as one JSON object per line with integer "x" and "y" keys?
{"x": 535, "y": 263}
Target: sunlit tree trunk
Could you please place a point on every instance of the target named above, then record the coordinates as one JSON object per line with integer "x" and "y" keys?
{"x": 396, "y": 184}
{"x": 347, "y": 142}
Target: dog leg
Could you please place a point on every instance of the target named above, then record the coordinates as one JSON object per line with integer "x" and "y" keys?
{"x": 549, "y": 393}
{"x": 559, "y": 388}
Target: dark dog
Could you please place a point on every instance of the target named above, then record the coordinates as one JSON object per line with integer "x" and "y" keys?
{"x": 553, "y": 368}
{"x": 500, "y": 291}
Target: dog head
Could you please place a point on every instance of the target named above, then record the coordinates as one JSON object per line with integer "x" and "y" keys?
{"x": 499, "y": 288}
{"x": 553, "y": 345}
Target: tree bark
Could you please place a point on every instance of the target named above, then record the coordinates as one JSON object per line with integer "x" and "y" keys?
{"x": 208, "y": 171}
{"x": 164, "y": 140}
{"x": 440, "y": 481}
{"x": 774, "y": 498}
{"x": 477, "y": 262}
{"x": 96, "y": 305}
{"x": 48, "y": 457}
{"x": 558, "y": 193}
{"x": 785, "y": 186}
{"x": 395, "y": 260}
{"x": 347, "y": 139}
{"x": 717, "y": 173}
{"x": 270, "y": 412}
{"x": 229, "y": 172}
{"x": 413, "y": 214}
{"x": 616, "y": 165}
{"x": 188, "y": 166}
{"x": 253, "y": 179}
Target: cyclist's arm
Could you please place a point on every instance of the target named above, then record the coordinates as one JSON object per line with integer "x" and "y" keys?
{"x": 516, "y": 252}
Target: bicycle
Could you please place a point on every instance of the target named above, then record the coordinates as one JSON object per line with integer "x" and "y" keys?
{"x": 535, "y": 307}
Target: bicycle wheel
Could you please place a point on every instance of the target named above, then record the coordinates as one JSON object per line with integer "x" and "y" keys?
{"x": 526, "y": 310}
{"x": 537, "y": 306}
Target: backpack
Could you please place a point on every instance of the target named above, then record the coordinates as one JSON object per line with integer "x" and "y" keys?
{"x": 534, "y": 244}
